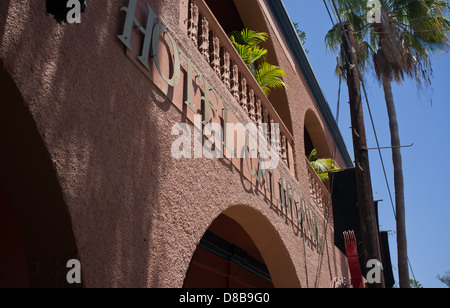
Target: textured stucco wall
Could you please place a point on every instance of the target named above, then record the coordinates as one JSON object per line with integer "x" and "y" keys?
{"x": 137, "y": 212}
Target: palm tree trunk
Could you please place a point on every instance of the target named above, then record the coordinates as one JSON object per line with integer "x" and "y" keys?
{"x": 403, "y": 270}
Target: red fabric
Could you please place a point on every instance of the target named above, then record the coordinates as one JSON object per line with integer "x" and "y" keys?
{"x": 353, "y": 260}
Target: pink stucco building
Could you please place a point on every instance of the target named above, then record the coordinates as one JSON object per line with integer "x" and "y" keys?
{"x": 88, "y": 122}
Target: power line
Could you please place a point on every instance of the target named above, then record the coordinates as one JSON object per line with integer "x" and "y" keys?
{"x": 387, "y": 32}
{"x": 369, "y": 109}
{"x": 329, "y": 13}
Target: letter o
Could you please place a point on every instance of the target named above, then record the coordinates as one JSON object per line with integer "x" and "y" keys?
{"x": 157, "y": 30}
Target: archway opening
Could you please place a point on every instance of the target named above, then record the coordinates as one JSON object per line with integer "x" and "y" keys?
{"x": 314, "y": 136}
{"x": 241, "y": 249}
{"x": 235, "y": 15}
{"x": 36, "y": 235}
{"x": 227, "y": 258}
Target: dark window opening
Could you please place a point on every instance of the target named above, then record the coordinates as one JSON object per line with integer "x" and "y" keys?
{"x": 59, "y": 9}
{"x": 227, "y": 15}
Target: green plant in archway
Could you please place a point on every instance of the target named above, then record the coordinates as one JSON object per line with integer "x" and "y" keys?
{"x": 268, "y": 76}
{"x": 322, "y": 166}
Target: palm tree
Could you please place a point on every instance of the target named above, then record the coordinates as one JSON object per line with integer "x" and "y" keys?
{"x": 445, "y": 279}
{"x": 401, "y": 44}
{"x": 247, "y": 43}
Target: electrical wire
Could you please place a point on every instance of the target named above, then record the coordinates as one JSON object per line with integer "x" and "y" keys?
{"x": 329, "y": 13}
{"x": 369, "y": 109}
{"x": 327, "y": 215}
{"x": 370, "y": 112}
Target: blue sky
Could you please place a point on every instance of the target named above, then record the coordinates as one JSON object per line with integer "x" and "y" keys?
{"x": 424, "y": 165}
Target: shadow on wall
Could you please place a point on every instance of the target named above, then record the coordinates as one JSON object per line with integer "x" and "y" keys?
{"x": 95, "y": 114}
{"x": 43, "y": 235}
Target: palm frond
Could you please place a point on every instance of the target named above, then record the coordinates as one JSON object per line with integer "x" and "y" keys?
{"x": 249, "y": 37}
{"x": 312, "y": 156}
{"x": 270, "y": 77}
{"x": 322, "y": 166}
{"x": 247, "y": 43}
{"x": 249, "y": 54}
{"x": 333, "y": 38}
{"x": 409, "y": 33}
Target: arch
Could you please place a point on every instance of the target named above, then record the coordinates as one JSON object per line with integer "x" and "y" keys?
{"x": 314, "y": 136}
{"x": 278, "y": 97}
{"x": 263, "y": 244}
{"x": 40, "y": 229}
{"x": 234, "y": 15}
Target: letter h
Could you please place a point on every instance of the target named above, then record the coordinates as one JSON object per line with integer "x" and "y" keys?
{"x": 148, "y": 31}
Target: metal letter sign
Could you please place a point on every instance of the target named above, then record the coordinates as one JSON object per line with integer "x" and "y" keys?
{"x": 158, "y": 44}
{"x": 157, "y": 30}
{"x": 130, "y": 20}
{"x": 151, "y": 37}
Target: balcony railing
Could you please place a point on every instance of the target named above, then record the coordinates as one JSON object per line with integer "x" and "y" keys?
{"x": 319, "y": 192}
{"x": 213, "y": 43}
